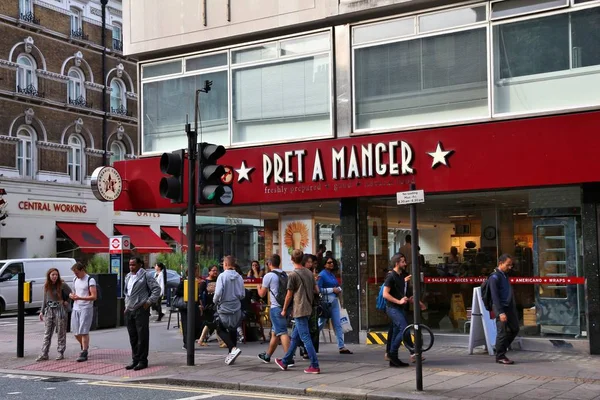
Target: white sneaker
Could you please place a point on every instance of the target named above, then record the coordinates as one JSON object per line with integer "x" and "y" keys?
{"x": 235, "y": 352}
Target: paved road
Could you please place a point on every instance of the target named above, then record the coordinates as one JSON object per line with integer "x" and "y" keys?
{"x": 39, "y": 388}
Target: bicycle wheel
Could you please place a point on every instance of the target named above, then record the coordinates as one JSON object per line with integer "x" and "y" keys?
{"x": 427, "y": 337}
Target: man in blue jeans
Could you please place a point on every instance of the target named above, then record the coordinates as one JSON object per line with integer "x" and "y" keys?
{"x": 270, "y": 285}
{"x": 302, "y": 288}
{"x": 395, "y": 292}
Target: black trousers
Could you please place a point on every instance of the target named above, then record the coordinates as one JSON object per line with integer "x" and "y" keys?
{"x": 506, "y": 331}
{"x": 227, "y": 335}
{"x": 138, "y": 327}
{"x": 198, "y": 321}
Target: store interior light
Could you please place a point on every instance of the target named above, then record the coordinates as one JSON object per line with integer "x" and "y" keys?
{"x": 457, "y": 216}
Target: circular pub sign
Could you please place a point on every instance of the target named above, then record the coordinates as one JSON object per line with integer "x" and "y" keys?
{"x": 106, "y": 184}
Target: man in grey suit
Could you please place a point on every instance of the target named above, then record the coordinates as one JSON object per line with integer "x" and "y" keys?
{"x": 140, "y": 294}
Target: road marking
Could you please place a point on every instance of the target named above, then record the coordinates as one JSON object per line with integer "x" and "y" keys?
{"x": 14, "y": 393}
{"x": 50, "y": 388}
{"x": 204, "y": 396}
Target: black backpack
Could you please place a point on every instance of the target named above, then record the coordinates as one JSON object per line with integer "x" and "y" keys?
{"x": 486, "y": 293}
{"x": 281, "y": 288}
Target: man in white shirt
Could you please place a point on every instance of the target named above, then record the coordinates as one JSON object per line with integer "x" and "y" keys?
{"x": 83, "y": 296}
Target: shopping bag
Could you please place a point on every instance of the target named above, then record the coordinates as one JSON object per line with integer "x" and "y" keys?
{"x": 345, "y": 321}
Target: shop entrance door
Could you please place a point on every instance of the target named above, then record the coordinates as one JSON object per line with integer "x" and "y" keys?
{"x": 555, "y": 255}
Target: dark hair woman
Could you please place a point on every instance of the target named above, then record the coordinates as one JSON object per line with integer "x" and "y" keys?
{"x": 161, "y": 279}
{"x": 207, "y": 294}
{"x": 54, "y": 313}
{"x": 255, "y": 270}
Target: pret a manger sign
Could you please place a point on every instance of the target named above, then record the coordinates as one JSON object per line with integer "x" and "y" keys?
{"x": 347, "y": 162}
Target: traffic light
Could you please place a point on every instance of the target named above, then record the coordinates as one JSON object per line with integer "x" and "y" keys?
{"x": 213, "y": 188}
{"x": 171, "y": 187}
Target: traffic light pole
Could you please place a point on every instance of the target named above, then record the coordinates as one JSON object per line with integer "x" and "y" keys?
{"x": 191, "y": 251}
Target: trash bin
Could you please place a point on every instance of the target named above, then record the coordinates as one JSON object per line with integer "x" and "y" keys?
{"x": 105, "y": 308}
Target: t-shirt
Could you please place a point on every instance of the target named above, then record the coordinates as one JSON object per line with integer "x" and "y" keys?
{"x": 271, "y": 283}
{"x": 398, "y": 287}
{"x": 302, "y": 283}
{"x": 81, "y": 289}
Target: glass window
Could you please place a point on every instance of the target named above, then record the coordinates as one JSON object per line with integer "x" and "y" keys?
{"x": 117, "y": 31}
{"x": 257, "y": 53}
{"x": 26, "y": 72}
{"x": 287, "y": 100}
{"x": 452, "y": 18}
{"x": 205, "y": 62}
{"x": 75, "y": 86}
{"x": 166, "y": 104}
{"x": 547, "y": 63}
{"x": 422, "y": 81}
{"x": 117, "y": 95}
{"x": 303, "y": 45}
{"x": 25, "y": 153}
{"x": 74, "y": 159}
{"x": 503, "y": 9}
{"x": 75, "y": 19}
{"x": 118, "y": 152}
{"x": 167, "y": 68}
{"x": 25, "y": 6}
{"x": 384, "y": 30}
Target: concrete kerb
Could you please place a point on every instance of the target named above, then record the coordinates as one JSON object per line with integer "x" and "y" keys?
{"x": 379, "y": 395}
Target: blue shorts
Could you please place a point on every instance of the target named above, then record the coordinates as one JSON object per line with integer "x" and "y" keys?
{"x": 278, "y": 323}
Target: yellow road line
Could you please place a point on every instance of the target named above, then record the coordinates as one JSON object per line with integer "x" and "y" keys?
{"x": 197, "y": 390}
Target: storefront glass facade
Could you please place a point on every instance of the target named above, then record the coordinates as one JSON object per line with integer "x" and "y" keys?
{"x": 462, "y": 235}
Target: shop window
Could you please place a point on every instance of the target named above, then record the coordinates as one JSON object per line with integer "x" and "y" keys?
{"x": 25, "y": 152}
{"x": 75, "y": 159}
{"x": 547, "y": 63}
{"x": 76, "y": 85}
{"x": 118, "y": 152}
{"x": 206, "y": 62}
{"x": 422, "y": 81}
{"x": 167, "y": 103}
{"x": 462, "y": 236}
{"x": 117, "y": 95}
{"x": 26, "y": 76}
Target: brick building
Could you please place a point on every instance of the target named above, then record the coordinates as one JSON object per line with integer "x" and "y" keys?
{"x": 52, "y": 136}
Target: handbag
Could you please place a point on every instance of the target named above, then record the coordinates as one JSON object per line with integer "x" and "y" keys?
{"x": 323, "y": 308}
{"x": 179, "y": 303}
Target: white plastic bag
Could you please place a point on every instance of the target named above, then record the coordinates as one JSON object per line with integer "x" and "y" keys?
{"x": 345, "y": 321}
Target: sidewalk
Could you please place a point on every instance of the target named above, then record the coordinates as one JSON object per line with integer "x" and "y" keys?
{"x": 448, "y": 373}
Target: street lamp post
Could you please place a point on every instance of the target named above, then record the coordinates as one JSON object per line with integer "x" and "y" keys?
{"x": 103, "y": 43}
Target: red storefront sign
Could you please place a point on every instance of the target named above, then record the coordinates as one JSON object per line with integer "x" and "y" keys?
{"x": 553, "y": 150}
{"x": 531, "y": 280}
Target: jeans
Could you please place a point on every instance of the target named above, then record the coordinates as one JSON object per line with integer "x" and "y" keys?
{"x": 335, "y": 319}
{"x": 278, "y": 323}
{"x": 301, "y": 333}
{"x": 399, "y": 323}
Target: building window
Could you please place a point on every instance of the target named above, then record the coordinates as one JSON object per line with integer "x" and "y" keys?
{"x": 26, "y": 77}
{"x": 401, "y": 81}
{"x": 75, "y": 159}
{"x": 547, "y": 63}
{"x": 117, "y": 96}
{"x": 26, "y": 6}
{"x": 76, "y": 85}
{"x": 117, "y": 36}
{"x": 25, "y": 152}
{"x": 76, "y": 17}
{"x": 118, "y": 152}
{"x": 287, "y": 98}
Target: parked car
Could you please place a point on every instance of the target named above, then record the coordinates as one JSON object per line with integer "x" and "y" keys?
{"x": 35, "y": 272}
{"x": 173, "y": 278}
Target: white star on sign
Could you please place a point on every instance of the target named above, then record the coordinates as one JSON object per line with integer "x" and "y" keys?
{"x": 244, "y": 172}
{"x": 440, "y": 156}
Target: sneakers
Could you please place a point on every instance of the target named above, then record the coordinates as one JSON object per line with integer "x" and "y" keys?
{"x": 83, "y": 356}
{"x": 42, "y": 358}
{"x": 60, "y": 356}
{"x": 312, "y": 370}
{"x": 292, "y": 364}
{"x": 281, "y": 364}
{"x": 235, "y": 352}
{"x": 264, "y": 358}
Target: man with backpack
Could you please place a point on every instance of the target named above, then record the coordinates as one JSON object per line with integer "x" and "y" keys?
{"x": 275, "y": 283}
{"x": 84, "y": 294}
{"x": 505, "y": 308}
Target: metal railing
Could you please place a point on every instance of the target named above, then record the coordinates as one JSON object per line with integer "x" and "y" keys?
{"x": 29, "y": 17}
{"x": 80, "y": 102}
{"x": 117, "y": 45}
{"x": 30, "y": 90}
{"x": 79, "y": 34}
{"x": 121, "y": 111}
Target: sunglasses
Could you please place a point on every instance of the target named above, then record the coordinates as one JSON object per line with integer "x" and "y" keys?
{"x": 329, "y": 262}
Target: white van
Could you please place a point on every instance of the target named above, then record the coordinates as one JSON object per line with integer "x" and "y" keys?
{"x": 35, "y": 271}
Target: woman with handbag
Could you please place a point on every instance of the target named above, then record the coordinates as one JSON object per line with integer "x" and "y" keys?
{"x": 55, "y": 309}
{"x": 207, "y": 304}
{"x": 330, "y": 302}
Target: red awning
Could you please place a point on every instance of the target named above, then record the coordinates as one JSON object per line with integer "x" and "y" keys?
{"x": 88, "y": 237}
{"x": 177, "y": 235}
{"x": 144, "y": 239}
